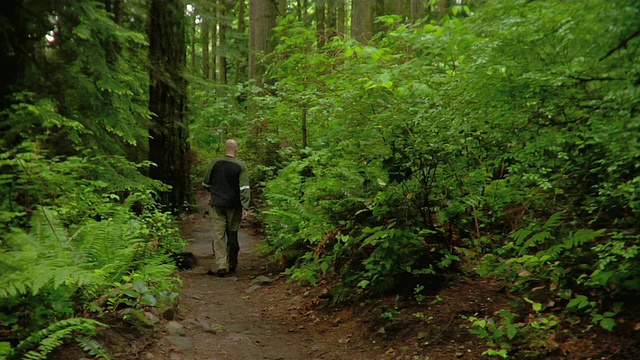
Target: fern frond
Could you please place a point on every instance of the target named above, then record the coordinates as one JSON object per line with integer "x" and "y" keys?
{"x": 93, "y": 348}
{"x": 46, "y": 340}
{"x": 581, "y": 237}
{"x": 554, "y": 221}
{"x": 520, "y": 235}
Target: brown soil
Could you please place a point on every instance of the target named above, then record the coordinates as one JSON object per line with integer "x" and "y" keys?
{"x": 233, "y": 318}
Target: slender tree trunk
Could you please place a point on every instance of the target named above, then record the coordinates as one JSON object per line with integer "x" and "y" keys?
{"x": 341, "y": 14}
{"x": 169, "y": 130}
{"x": 222, "y": 42}
{"x": 192, "y": 40}
{"x": 332, "y": 21}
{"x": 321, "y": 27}
{"x": 206, "y": 62}
{"x": 214, "y": 41}
{"x": 241, "y": 27}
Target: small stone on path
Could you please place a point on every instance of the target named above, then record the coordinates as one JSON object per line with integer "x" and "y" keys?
{"x": 181, "y": 343}
{"x": 203, "y": 325}
{"x": 262, "y": 280}
{"x": 175, "y": 328}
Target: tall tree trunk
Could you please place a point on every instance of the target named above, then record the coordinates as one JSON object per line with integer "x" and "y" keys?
{"x": 332, "y": 20}
{"x": 362, "y": 12}
{"x": 241, "y": 27}
{"x": 169, "y": 130}
{"x": 262, "y": 16}
{"x": 321, "y": 22}
{"x": 397, "y": 7}
{"x": 341, "y": 13}
{"x": 13, "y": 51}
{"x": 417, "y": 9}
{"x": 206, "y": 62}
{"x": 192, "y": 40}
{"x": 222, "y": 42}
{"x": 214, "y": 41}
{"x": 379, "y": 11}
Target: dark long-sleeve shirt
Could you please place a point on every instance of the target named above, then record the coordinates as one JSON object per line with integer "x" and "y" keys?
{"x": 228, "y": 182}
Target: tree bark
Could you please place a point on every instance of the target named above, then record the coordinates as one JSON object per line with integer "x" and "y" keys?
{"x": 417, "y": 9}
{"x": 169, "y": 130}
{"x": 223, "y": 38}
{"x": 331, "y": 19}
{"x": 362, "y": 12}
{"x": 321, "y": 21}
{"x": 192, "y": 40}
{"x": 262, "y": 16}
{"x": 398, "y": 7}
{"x": 206, "y": 62}
{"x": 214, "y": 42}
{"x": 241, "y": 26}
{"x": 341, "y": 13}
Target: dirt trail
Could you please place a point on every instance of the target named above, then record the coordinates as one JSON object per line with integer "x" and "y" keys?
{"x": 245, "y": 316}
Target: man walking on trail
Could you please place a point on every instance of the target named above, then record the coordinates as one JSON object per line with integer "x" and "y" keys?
{"x": 228, "y": 182}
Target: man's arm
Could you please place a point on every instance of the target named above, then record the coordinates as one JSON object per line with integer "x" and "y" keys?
{"x": 206, "y": 181}
{"x": 245, "y": 189}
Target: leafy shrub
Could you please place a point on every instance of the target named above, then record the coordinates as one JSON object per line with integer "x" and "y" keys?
{"x": 68, "y": 242}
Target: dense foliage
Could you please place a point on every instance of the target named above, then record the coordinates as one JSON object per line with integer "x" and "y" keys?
{"x": 500, "y": 138}
{"x": 82, "y": 236}
{"x": 507, "y": 138}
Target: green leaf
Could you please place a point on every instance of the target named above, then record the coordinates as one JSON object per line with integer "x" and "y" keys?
{"x": 324, "y": 267}
{"x": 580, "y": 301}
{"x": 608, "y": 323}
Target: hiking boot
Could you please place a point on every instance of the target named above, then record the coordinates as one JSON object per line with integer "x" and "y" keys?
{"x": 221, "y": 272}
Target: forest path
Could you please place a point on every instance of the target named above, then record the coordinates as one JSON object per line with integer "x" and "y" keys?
{"x": 252, "y": 314}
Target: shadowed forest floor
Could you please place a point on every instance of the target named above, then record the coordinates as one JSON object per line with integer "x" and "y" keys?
{"x": 256, "y": 314}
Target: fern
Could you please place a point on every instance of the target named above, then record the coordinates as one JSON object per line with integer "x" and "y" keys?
{"x": 41, "y": 258}
{"x": 581, "y": 237}
{"x": 51, "y": 337}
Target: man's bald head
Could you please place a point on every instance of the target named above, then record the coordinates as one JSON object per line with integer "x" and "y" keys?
{"x": 231, "y": 147}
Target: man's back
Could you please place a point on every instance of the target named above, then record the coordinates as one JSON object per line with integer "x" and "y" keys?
{"x": 224, "y": 182}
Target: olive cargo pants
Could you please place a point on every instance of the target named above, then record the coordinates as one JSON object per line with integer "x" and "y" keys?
{"x": 226, "y": 223}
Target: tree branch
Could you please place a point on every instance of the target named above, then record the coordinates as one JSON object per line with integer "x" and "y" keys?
{"x": 622, "y": 44}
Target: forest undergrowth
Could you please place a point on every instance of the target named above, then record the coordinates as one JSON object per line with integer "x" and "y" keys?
{"x": 493, "y": 140}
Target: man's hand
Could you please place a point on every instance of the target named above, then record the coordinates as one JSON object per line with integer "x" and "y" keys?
{"x": 245, "y": 214}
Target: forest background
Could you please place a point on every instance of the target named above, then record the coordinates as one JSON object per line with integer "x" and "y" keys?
{"x": 393, "y": 145}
